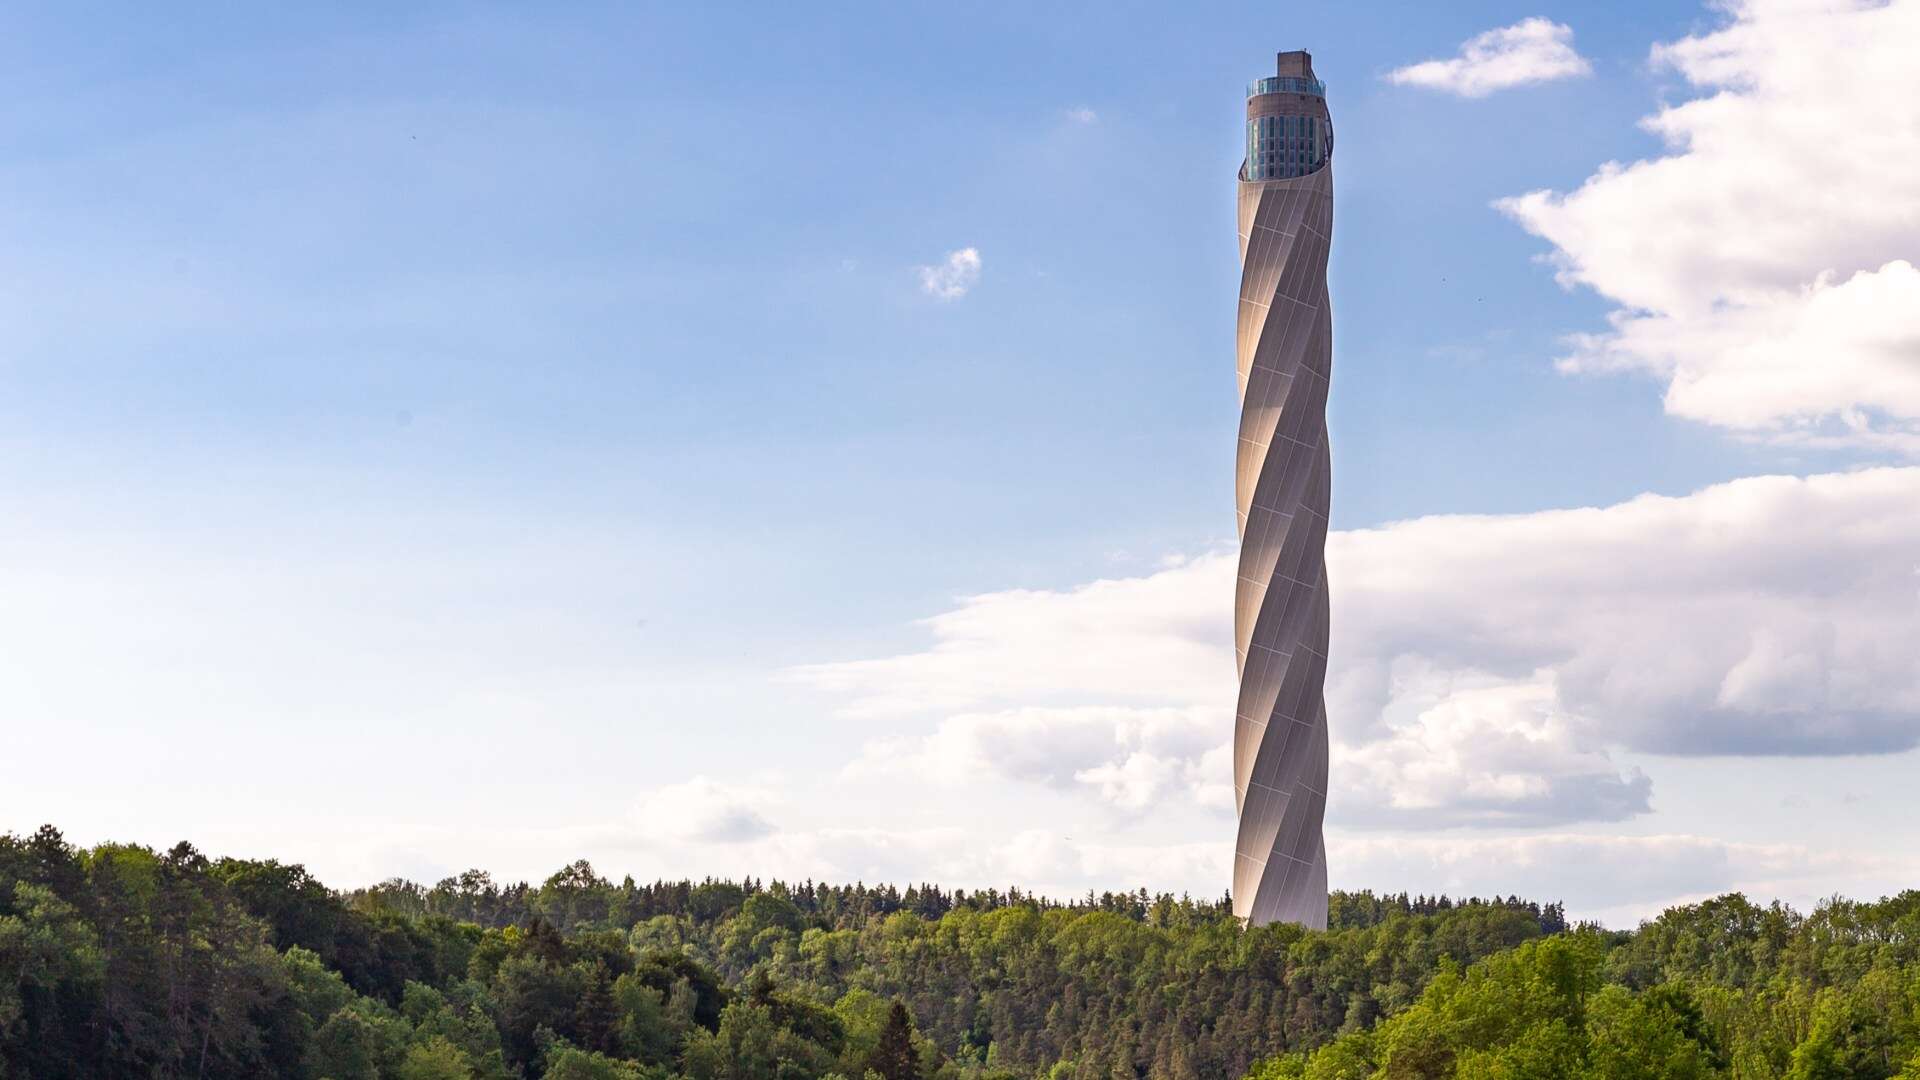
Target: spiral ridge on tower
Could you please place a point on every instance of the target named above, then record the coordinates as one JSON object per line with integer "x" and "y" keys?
{"x": 1282, "y": 492}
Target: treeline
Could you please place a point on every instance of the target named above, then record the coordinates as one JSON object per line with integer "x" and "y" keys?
{"x": 577, "y": 895}
{"x": 1718, "y": 989}
{"x": 120, "y": 961}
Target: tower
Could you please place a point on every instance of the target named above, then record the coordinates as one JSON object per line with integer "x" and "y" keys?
{"x": 1283, "y": 486}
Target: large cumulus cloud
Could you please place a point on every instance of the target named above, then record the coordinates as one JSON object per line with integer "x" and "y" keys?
{"x": 1763, "y": 267}
{"x": 1484, "y": 669}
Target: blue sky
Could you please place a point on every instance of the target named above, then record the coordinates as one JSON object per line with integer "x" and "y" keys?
{"x": 462, "y": 435}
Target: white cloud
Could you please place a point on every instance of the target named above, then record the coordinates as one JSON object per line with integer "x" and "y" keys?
{"x": 1131, "y": 758}
{"x": 1080, "y": 114}
{"x": 1756, "y": 616}
{"x": 1530, "y": 51}
{"x": 704, "y": 810}
{"x": 1614, "y": 879}
{"x": 1154, "y": 640}
{"x": 952, "y": 277}
{"x": 1483, "y": 667}
{"x": 1763, "y": 268}
{"x": 1484, "y": 750}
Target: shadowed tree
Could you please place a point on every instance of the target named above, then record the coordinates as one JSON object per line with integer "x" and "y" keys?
{"x": 894, "y": 1057}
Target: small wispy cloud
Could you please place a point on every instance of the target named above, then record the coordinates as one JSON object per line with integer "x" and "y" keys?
{"x": 952, "y": 277}
{"x": 1080, "y": 114}
{"x": 1532, "y": 50}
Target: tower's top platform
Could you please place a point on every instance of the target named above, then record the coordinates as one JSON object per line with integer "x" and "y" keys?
{"x": 1293, "y": 74}
{"x": 1289, "y": 131}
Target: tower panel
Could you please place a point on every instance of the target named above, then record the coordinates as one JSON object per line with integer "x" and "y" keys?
{"x": 1282, "y": 489}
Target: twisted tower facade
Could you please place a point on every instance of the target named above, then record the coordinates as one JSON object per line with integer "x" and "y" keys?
{"x": 1284, "y": 483}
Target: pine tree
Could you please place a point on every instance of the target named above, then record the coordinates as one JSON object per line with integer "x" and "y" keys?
{"x": 893, "y": 1056}
{"x": 595, "y": 1020}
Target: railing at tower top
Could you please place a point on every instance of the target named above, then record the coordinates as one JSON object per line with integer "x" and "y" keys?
{"x": 1286, "y": 84}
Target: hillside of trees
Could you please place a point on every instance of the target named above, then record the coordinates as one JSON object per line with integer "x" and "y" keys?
{"x": 122, "y": 961}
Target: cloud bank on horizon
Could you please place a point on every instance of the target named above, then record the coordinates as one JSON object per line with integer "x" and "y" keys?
{"x": 1485, "y": 673}
{"x": 1484, "y": 667}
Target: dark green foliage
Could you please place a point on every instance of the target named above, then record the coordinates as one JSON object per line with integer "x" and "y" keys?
{"x": 893, "y": 1056}
{"x": 120, "y": 961}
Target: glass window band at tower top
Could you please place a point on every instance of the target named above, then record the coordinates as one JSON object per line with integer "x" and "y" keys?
{"x": 1289, "y": 132}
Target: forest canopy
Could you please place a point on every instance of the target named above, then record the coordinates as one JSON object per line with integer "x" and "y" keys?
{"x": 122, "y": 961}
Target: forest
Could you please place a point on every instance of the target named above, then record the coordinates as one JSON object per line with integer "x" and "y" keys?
{"x": 122, "y": 961}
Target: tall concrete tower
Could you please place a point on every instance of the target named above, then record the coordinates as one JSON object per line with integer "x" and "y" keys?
{"x": 1285, "y": 347}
